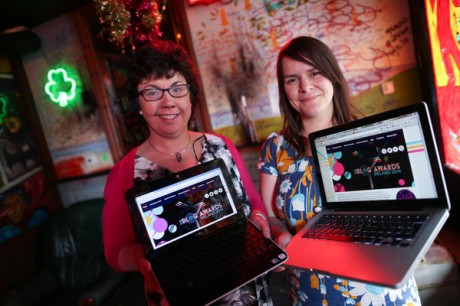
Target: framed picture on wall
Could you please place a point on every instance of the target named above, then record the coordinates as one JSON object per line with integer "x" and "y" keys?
{"x": 444, "y": 38}
{"x": 17, "y": 150}
{"x": 65, "y": 99}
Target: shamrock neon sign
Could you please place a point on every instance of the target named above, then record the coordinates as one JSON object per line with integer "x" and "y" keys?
{"x": 60, "y": 88}
{"x": 3, "y": 102}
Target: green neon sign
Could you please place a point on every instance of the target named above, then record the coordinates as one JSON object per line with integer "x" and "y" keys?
{"x": 60, "y": 87}
{"x": 3, "y": 102}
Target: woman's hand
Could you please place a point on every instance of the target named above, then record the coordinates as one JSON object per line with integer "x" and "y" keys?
{"x": 281, "y": 236}
{"x": 260, "y": 220}
{"x": 282, "y": 240}
{"x": 153, "y": 292}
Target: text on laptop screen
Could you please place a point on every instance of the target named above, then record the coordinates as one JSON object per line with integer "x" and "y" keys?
{"x": 386, "y": 160}
{"x": 185, "y": 207}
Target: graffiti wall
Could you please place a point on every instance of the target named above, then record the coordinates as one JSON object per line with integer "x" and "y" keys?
{"x": 236, "y": 45}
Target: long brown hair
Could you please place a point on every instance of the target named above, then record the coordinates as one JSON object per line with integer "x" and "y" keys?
{"x": 315, "y": 53}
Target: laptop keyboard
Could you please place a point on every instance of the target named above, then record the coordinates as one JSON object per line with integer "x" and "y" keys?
{"x": 381, "y": 229}
{"x": 212, "y": 257}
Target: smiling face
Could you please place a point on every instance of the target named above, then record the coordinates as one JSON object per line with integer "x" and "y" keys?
{"x": 309, "y": 92}
{"x": 168, "y": 116}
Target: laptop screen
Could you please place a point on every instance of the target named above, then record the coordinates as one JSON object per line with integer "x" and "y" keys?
{"x": 385, "y": 160}
{"x": 182, "y": 208}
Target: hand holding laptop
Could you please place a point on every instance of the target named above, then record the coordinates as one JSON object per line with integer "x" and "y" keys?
{"x": 386, "y": 206}
{"x": 152, "y": 287}
{"x": 209, "y": 249}
{"x": 281, "y": 236}
{"x": 261, "y": 222}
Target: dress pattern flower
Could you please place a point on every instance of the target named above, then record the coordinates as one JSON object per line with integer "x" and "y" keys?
{"x": 297, "y": 199}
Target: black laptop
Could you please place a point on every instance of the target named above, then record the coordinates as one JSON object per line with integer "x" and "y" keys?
{"x": 384, "y": 198}
{"x": 196, "y": 235}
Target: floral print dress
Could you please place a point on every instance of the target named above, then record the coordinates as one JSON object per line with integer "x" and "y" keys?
{"x": 297, "y": 200}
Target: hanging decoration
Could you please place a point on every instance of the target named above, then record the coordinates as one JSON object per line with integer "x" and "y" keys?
{"x": 131, "y": 22}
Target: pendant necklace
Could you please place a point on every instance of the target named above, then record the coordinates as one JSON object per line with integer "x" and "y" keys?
{"x": 177, "y": 154}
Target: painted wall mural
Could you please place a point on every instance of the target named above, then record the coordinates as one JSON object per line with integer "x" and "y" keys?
{"x": 444, "y": 27}
{"x": 236, "y": 44}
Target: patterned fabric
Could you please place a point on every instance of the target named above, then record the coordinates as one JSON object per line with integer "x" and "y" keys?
{"x": 297, "y": 200}
{"x": 254, "y": 293}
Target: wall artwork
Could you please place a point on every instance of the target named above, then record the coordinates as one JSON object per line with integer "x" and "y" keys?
{"x": 236, "y": 45}
{"x": 17, "y": 150}
{"x": 444, "y": 27}
{"x": 62, "y": 91}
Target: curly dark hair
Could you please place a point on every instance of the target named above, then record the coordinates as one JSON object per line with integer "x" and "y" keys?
{"x": 161, "y": 58}
{"x": 315, "y": 53}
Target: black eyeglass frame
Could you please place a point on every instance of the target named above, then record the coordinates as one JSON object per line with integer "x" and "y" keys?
{"x": 187, "y": 86}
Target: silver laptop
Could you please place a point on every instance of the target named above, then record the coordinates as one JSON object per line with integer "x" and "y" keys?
{"x": 384, "y": 198}
{"x": 196, "y": 236}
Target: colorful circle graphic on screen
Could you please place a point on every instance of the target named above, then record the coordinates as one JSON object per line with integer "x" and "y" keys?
{"x": 347, "y": 175}
{"x": 405, "y": 194}
{"x": 160, "y": 225}
{"x": 172, "y": 228}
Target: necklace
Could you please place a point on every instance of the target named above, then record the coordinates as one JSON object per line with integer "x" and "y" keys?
{"x": 177, "y": 154}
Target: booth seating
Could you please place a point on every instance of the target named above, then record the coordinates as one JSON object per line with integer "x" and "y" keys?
{"x": 71, "y": 268}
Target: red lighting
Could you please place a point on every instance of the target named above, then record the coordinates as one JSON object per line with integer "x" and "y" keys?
{"x": 205, "y": 2}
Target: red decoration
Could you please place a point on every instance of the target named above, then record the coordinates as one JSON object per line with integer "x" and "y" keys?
{"x": 205, "y": 2}
{"x": 132, "y": 21}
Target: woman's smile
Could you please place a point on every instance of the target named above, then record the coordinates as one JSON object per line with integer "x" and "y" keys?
{"x": 168, "y": 116}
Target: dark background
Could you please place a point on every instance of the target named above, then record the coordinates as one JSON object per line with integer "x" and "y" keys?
{"x": 30, "y": 13}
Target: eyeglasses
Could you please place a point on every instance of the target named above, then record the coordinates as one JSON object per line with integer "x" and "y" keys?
{"x": 155, "y": 94}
